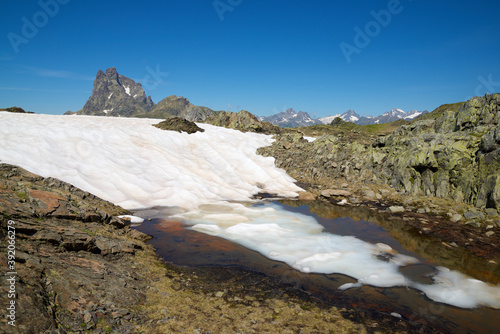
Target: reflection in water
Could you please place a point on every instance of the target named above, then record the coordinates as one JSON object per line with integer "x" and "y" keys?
{"x": 371, "y": 226}
{"x": 182, "y": 246}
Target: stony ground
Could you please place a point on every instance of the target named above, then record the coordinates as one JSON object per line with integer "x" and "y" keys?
{"x": 80, "y": 269}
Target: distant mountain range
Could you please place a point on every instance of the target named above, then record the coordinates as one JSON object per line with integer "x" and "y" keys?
{"x": 349, "y": 116}
{"x": 290, "y": 118}
{"x": 114, "y": 94}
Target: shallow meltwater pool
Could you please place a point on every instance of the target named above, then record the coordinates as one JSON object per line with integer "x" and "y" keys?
{"x": 350, "y": 254}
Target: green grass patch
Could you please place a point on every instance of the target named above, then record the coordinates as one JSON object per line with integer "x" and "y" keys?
{"x": 436, "y": 113}
{"x": 22, "y": 195}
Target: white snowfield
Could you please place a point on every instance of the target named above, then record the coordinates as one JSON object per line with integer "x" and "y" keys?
{"x": 135, "y": 165}
{"x": 200, "y": 177}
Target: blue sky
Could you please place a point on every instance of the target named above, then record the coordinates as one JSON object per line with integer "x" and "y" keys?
{"x": 323, "y": 57}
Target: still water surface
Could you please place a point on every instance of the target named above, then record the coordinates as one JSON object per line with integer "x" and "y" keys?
{"x": 177, "y": 243}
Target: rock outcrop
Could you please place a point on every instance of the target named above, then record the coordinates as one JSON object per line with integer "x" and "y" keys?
{"x": 74, "y": 258}
{"x": 179, "y": 124}
{"x": 243, "y": 121}
{"x": 453, "y": 152}
{"x": 16, "y": 110}
{"x": 180, "y": 107}
{"x": 116, "y": 95}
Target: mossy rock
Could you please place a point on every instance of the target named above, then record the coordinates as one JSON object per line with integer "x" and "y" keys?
{"x": 179, "y": 124}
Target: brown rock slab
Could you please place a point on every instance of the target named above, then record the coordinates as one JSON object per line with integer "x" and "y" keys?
{"x": 335, "y": 192}
{"x": 306, "y": 196}
{"x": 395, "y": 209}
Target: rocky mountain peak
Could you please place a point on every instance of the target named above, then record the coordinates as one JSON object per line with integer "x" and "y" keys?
{"x": 290, "y": 118}
{"x": 100, "y": 74}
{"x": 116, "y": 95}
{"x": 112, "y": 73}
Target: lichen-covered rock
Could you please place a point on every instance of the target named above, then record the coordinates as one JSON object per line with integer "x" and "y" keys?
{"x": 243, "y": 121}
{"x": 454, "y": 152}
{"x": 73, "y": 268}
{"x": 179, "y": 124}
{"x": 16, "y": 110}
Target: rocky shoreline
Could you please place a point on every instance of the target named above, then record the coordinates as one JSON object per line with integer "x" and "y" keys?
{"x": 440, "y": 172}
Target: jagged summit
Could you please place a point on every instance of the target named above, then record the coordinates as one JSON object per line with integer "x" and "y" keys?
{"x": 349, "y": 116}
{"x": 116, "y": 95}
{"x": 289, "y": 119}
{"x": 389, "y": 116}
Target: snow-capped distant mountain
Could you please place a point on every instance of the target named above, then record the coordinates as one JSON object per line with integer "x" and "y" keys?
{"x": 394, "y": 115}
{"x": 328, "y": 119}
{"x": 414, "y": 113}
{"x": 349, "y": 116}
{"x": 389, "y": 116}
{"x": 291, "y": 119}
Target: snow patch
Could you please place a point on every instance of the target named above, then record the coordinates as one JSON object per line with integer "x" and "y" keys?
{"x": 413, "y": 115}
{"x": 127, "y": 90}
{"x": 328, "y": 119}
{"x": 299, "y": 241}
{"x": 133, "y": 219}
{"x": 135, "y": 165}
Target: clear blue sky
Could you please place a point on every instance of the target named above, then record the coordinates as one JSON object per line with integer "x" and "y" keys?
{"x": 262, "y": 56}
